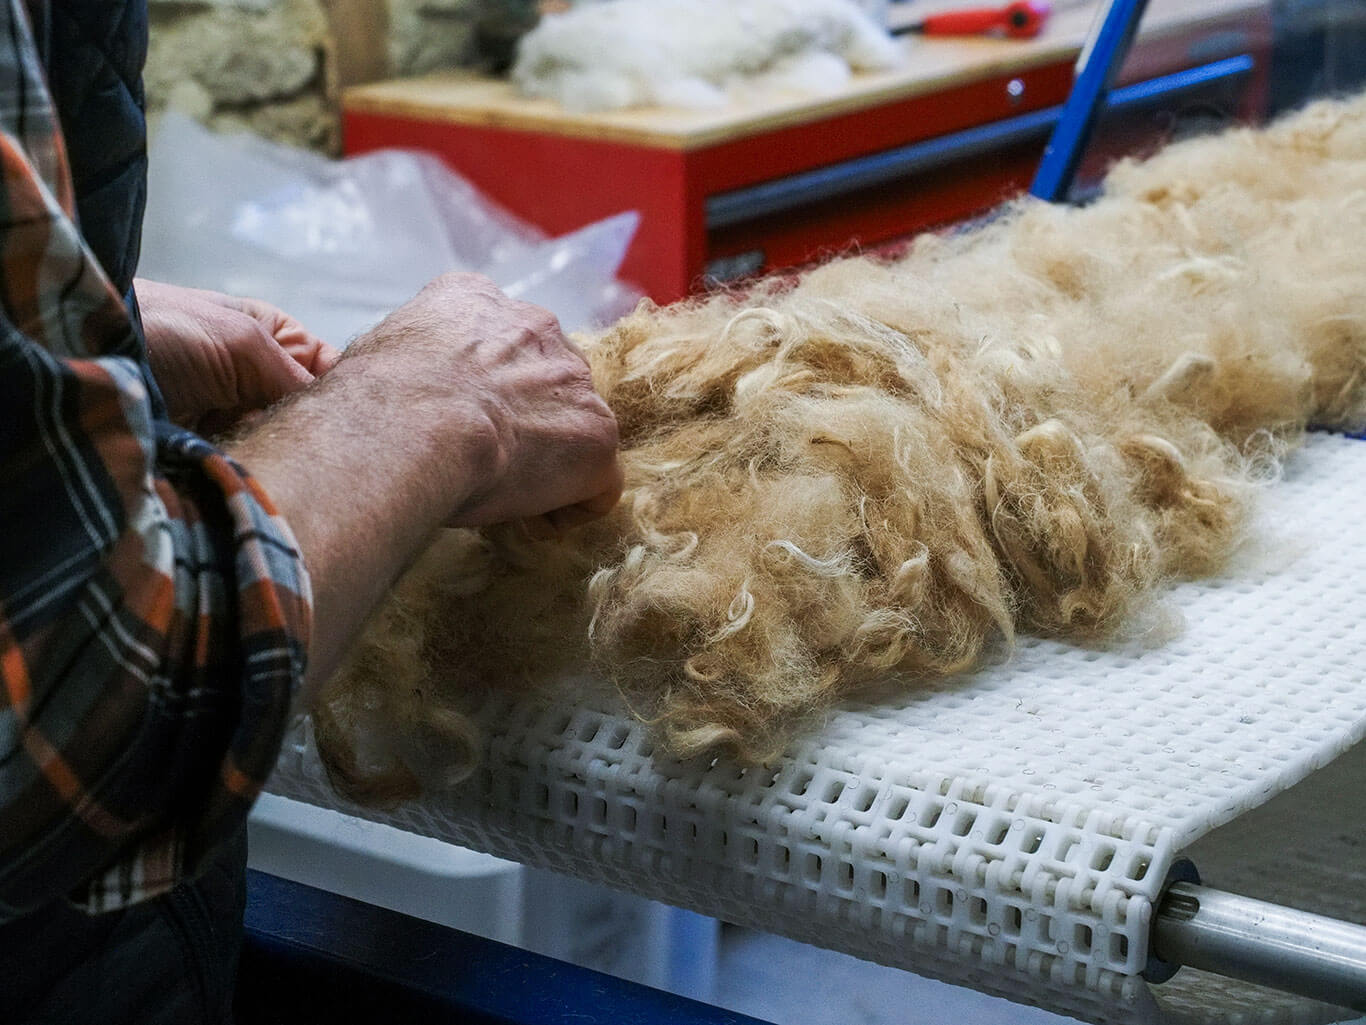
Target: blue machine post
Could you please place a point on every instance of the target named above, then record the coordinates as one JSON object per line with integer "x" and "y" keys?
{"x": 1097, "y": 68}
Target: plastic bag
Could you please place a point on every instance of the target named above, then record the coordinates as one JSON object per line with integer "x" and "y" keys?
{"x": 338, "y": 244}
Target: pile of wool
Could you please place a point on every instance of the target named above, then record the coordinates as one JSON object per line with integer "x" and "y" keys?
{"x": 686, "y": 53}
{"x": 882, "y": 468}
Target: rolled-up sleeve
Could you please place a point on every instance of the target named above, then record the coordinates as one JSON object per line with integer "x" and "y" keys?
{"x": 154, "y": 617}
{"x": 154, "y": 610}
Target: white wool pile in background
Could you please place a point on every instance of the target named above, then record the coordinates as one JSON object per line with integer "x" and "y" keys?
{"x": 626, "y": 53}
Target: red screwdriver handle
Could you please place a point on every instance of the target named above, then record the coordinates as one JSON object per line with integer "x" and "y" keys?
{"x": 1025, "y": 20}
{"x": 1021, "y": 20}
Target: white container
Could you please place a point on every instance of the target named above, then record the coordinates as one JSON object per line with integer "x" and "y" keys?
{"x": 388, "y": 867}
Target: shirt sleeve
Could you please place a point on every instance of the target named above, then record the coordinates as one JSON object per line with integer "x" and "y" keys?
{"x": 154, "y": 609}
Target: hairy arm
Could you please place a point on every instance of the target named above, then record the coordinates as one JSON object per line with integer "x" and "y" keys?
{"x": 463, "y": 408}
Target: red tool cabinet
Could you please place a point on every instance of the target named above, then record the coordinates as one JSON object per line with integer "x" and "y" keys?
{"x": 778, "y": 180}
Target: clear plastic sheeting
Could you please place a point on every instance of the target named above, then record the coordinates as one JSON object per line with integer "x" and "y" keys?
{"x": 338, "y": 244}
{"x": 1008, "y": 829}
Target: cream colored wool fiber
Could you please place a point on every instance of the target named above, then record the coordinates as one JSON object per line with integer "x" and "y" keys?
{"x": 886, "y": 469}
{"x": 696, "y": 53}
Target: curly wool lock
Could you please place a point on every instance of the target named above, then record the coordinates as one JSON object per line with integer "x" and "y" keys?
{"x": 883, "y": 467}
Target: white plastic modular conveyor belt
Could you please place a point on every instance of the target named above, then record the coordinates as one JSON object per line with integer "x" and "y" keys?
{"x": 1008, "y": 829}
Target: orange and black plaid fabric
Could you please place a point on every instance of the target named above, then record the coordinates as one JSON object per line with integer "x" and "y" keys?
{"x": 154, "y": 609}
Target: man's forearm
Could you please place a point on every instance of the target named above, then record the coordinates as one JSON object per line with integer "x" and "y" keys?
{"x": 364, "y": 479}
{"x": 463, "y": 408}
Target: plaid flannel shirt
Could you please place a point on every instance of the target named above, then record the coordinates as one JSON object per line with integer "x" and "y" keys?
{"x": 154, "y": 609}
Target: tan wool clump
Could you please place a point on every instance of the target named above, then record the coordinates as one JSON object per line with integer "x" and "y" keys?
{"x": 887, "y": 466}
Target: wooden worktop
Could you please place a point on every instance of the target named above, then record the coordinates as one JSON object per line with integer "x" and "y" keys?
{"x": 931, "y": 65}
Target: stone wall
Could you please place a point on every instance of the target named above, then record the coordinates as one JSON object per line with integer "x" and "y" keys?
{"x": 276, "y": 66}
{"x": 264, "y": 64}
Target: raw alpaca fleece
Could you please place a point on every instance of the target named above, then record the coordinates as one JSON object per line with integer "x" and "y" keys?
{"x": 886, "y": 466}
{"x": 686, "y": 53}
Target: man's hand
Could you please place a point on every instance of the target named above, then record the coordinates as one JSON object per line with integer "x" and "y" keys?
{"x": 462, "y": 408}
{"x": 218, "y": 358}
{"x": 517, "y": 398}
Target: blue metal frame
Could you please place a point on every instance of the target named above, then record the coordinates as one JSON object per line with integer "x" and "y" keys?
{"x": 316, "y": 958}
{"x": 846, "y": 177}
{"x": 1071, "y": 123}
{"x": 1097, "y": 68}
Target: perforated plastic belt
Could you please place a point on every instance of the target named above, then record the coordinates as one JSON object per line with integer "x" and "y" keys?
{"x": 1010, "y": 829}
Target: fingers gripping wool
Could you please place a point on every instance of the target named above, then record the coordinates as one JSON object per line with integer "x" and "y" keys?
{"x": 883, "y": 469}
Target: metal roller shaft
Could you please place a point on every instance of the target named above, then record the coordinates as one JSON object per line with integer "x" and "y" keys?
{"x": 1290, "y": 950}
